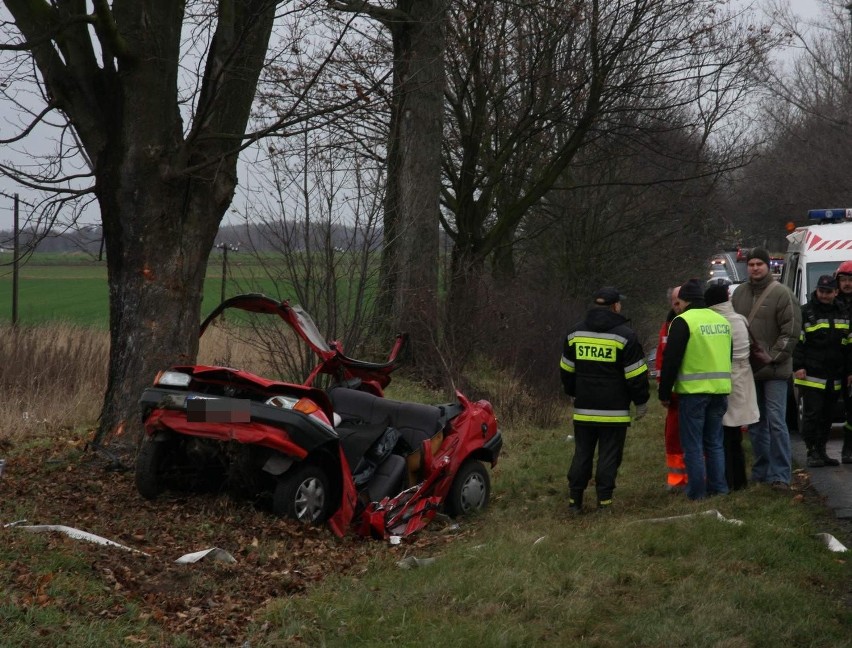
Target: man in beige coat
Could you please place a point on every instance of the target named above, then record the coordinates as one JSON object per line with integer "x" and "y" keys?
{"x": 742, "y": 401}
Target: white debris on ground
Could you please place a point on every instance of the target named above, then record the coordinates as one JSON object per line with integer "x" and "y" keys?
{"x": 213, "y": 553}
{"x": 831, "y": 542}
{"x": 76, "y": 534}
{"x": 711, "y": 513}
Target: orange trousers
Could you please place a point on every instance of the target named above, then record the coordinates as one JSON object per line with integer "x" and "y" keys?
{"x": 675, "y": 467}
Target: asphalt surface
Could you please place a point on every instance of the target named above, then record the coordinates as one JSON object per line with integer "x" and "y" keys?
{"x": 834, "y": 483}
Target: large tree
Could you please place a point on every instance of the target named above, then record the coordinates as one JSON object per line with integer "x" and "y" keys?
{"x": 410, "y": 240}
{"x": 537, "y": 87}
{"x": 158, "y": 95}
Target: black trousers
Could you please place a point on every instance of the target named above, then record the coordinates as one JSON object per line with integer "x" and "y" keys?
{"x": 847, "y": 428}
{"x": 735, "y": 464}
{"x": 609, "y": 441}
{"x": 817, "y": 410}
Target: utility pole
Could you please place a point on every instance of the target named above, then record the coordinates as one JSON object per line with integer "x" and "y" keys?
{"x": 15, "y": 256}
{"x": 225, "y": 247}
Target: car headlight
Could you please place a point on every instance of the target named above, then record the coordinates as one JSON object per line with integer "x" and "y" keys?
{"x": 286, "y": 402}
{"x": 172, "y": 379}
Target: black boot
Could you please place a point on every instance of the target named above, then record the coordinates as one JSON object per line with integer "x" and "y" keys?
{"x": 815, "y": 459}
{"x": 827, "y": 461}
{"x": 846, "y": 452}
{"x": 575, "y": 503}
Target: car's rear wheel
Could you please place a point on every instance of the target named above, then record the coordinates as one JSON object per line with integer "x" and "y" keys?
{"x": 304, "y": 493}
{"x": 470, "y": 491}
{"x": 152, "y": 466}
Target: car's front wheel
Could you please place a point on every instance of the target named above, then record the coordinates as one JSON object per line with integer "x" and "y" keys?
{"x": 152, "y": 466}
{"x": 470, "y": 491}
{"x": 304, "y": 493}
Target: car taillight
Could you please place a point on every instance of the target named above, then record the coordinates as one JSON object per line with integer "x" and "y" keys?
{"x": 310, "y": 408}
{"x": 306, "y": 406}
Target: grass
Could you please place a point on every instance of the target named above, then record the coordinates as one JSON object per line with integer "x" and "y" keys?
{"x": 62, "y": 580}
{"x": 73, "y": 288}
{"x": 521, "y": 574}
{"x": 525, "y": 574}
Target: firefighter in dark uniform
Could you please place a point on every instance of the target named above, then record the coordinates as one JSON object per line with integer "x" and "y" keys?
{"x": 843, "y": 275}
{"x": 820, "y": 363}
{"x": 603, "y": 369}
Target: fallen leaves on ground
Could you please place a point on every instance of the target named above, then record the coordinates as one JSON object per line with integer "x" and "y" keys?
{"x": 208, "y": 601}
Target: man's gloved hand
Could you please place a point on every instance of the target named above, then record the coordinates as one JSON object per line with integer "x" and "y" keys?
{"x": 641, "y": 410}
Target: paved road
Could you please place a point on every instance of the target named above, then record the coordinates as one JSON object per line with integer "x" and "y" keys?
{"x": 832, "y": 482}
{"x": 735, "y": 272}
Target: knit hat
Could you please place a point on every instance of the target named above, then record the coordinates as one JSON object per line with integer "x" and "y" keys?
{"x": 758, "y": 253}
{"x": 607, "y": 296}
{"x": 716, "y": 294}
{"x": 692, "y": 291}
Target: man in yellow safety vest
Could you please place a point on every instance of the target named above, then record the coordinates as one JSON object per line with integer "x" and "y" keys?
{"x": 697, "y": 367}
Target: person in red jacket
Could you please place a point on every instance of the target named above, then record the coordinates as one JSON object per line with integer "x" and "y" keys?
{"x": 676, "y": 479}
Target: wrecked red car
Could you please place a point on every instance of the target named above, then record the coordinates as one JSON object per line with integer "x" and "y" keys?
{"x": 340, "y": 453}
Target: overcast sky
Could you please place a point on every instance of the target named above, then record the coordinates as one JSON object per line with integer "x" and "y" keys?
{"x": 808, "y": 10}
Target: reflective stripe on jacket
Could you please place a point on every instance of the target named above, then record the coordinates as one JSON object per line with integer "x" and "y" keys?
{"x": 823, "y": 349}
{"x": 815, "y": 383}
{"x": 601, "y": 416}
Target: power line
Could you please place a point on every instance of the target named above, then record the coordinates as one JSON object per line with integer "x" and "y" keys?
{"x": 18, "y": 198}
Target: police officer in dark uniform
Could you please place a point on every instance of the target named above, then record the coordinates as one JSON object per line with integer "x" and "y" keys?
{"x": 603, "y": 369}
{"x": 820, "y": 363}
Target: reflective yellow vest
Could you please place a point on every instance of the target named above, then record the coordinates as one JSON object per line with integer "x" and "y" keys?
{"x": 706, "y": 365}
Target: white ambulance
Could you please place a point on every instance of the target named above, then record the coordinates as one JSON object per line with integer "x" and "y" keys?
{"x": 817, "y": 249}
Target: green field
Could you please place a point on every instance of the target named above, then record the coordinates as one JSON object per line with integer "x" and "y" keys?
{"x": 73, "y": 288}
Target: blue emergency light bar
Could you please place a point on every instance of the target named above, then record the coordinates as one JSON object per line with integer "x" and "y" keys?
{"x": 830, "y": 215}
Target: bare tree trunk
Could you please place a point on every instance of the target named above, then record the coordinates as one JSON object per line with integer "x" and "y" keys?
{"x": 410, "y": 253}
{"x": 463, "y": 289}
{"x": 157, "y": 250}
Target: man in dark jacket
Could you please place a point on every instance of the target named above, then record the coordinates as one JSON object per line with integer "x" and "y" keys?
{"x": 819, "y": 367}
{"x": 603, "y": 369}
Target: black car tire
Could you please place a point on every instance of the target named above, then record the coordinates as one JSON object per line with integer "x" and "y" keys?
{"x": 304, "y": 493}
{"x": 470, "y": 491}
{"x": 151, "y": 466}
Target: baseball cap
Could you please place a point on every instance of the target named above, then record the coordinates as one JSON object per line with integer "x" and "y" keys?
{"x": 607, "y": 295}
{"x": 826, "y": 282}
